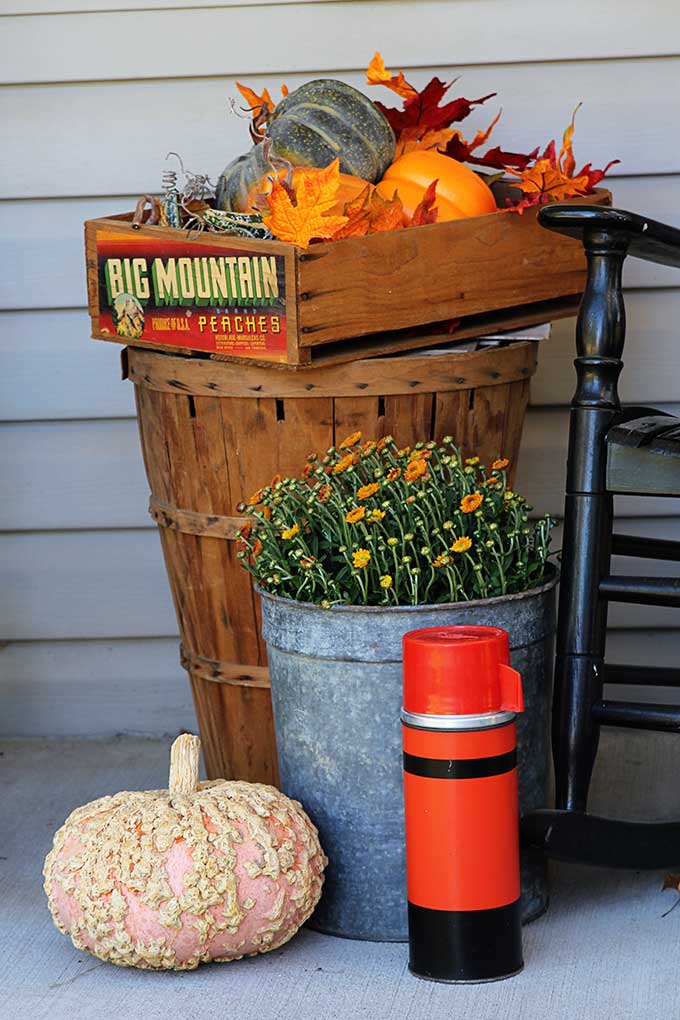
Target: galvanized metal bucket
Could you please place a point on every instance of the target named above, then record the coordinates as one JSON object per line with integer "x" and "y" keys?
{"x": 336, "y": 690}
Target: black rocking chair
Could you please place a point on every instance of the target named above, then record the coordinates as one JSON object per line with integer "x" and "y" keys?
{"x": 611, "y": 450}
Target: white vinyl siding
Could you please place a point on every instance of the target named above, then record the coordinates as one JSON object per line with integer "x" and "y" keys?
{"x": 91, "y": 98}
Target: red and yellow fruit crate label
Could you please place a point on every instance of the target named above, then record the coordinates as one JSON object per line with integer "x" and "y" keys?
{"x": 194, "y": 295}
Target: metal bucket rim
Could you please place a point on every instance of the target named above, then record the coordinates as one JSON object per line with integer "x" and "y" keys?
{"x": 551, "y": 577}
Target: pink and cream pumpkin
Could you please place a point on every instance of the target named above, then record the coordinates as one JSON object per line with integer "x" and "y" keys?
{"x": 168, "y": 879}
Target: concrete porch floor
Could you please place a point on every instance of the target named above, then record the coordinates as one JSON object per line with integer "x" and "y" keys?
{"x": 603, "y": 950}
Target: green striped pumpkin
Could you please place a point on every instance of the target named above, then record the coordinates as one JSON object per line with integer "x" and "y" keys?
{"x": 324, "y": 119}
{"x": 321, "y": 120}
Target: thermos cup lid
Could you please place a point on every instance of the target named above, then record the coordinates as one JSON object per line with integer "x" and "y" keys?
{"x": 459, "y": 671}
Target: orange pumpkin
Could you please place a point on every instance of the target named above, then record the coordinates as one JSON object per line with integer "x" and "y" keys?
{"x": 350, "y": 188}
{"x": 460, "y": 191}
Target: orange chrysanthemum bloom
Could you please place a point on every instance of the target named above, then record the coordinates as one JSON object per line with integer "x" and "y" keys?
{"x": 415, "y": 470}
{"x": 499, "y": 465}
{"x": 421, "y": 455}
{"x": 368, "y": 447}
{"x": 256, "y": 497}
{"x": 267, "y": 513}
{"x": 469, "y": 504}
{"x": 343, "y": 464}
{"x": 393, "y": 474}
{"x": 491, "y": 481}
{"x": 361, "y": 558}
{"x": 355, "y": 515}
{"x": 289, "y": 533}
{"x": 275, "y": 480}
{"x": 244, "y": 532}
{"x": 307, "y": 561}
{"x": 404, "y": 452}
{"x": 350, "y": 440}
{"x": 257, "y": 547}
{"x": 377, "y": 515}
{"x": 366, "y": 491}
{"x": 382, "y": 442}
{"x": 307, "y": 470}
{"x": 441, "y": 560}
{"x": 462, "y": 545}
{"x": 324, "y": 493}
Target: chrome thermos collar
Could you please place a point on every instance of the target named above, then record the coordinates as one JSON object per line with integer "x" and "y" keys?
{"x": 483, "y": 721}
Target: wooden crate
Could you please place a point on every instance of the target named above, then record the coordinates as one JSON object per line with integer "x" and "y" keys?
{"x": 212, "y": 433}
{"x": 268, "y": 302}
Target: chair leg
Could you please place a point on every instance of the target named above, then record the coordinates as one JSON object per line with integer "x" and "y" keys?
{"x": 580, "y": 646}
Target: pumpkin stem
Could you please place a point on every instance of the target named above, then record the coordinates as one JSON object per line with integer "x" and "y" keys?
{"x": 184, "y": 760}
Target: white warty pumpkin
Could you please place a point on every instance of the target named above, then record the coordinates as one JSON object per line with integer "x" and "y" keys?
{"x": 168, "y": 879}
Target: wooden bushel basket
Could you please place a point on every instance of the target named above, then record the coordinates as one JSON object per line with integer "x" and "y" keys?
{"x": 213, "y": 432}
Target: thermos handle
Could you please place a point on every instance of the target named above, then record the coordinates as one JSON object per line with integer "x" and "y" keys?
{"x": 512, "y": 699}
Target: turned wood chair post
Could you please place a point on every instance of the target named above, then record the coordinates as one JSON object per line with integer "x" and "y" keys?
{"x": 588, "y": 516}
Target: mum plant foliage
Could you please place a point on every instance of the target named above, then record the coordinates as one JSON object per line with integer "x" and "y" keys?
{"x": 373, "y": 524}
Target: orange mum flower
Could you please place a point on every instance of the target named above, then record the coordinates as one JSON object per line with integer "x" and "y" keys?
{"x": 289, "y": 533}
{"x": 393, "y": 474}
{"x": 343, "y": 464}
{"x": 499, "y": 465}
{"x": 421, "y": 455}
{"x": 267, "y": 513}
{"x": 324, "y": 493}
{"x": 366, "y": 491}
{"x": 368, "y": 447}
{"x": 256, "y": 497}
{"x": 415, "y": 470}
{"x": 257, "y": 547}
{"x": 355, "y": 515}
{"x": 244, "y": 532}
{"x": 350, "y": 440}
{"x": 469, "y": 504}
{"x": 275, "y": 480}
{"x": 491, "y": 481}
{"x": 361, "y": 558}
{"x": 462, "y": 545}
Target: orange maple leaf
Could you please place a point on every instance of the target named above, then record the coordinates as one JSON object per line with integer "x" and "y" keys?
{"x": 261, "y": 107}
{"x": 426, "y": 211}
{"x": 552, "y": 177}
{"x": 370, "y": 213}
{"x": 377, "y": 74}
{"x": 301, "y": 216}
{"x": 409, "y": 140}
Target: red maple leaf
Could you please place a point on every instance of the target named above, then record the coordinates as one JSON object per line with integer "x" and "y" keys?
{"x": 423, "y": 109}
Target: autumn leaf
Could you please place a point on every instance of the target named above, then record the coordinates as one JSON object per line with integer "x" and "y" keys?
{"x": 301, "y": 216}
{"x": 423, "y": 110}
{"x": 426, "y": 211}
{"x": 552, "y": 177}
{"x": 409, "y": 140}
{"x": 260, "y": 107}
{"x": 377, "y": 74}
{"x": 370, "y": 213}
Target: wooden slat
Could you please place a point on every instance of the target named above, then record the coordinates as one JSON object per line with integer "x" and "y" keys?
{"x": 90, "y": 474}
{"x": 62, "y": 118}
{"x": 44, "y": 264}
{"x": 114, "y": 44}
{"x": 372, "y": 377}
{"x": 112, "y": 584}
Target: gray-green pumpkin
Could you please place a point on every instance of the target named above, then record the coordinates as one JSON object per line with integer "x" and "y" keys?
{"x": 324, "y": 119}
{"x": 321, "y": 120}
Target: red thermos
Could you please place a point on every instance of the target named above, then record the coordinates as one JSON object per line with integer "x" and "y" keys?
{"x": 461, "y": 807}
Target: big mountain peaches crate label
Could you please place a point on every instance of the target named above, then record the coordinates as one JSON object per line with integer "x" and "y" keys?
{"x": 198, "y": 296}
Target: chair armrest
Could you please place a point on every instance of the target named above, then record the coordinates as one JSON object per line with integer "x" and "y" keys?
{"x": 646, "y": 239}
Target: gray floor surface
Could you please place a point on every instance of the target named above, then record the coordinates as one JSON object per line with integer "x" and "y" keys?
{"x": 603, "y": 950}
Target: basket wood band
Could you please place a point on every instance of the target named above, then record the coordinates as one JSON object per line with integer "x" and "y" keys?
{"x": 189, "y": 522}
{"x": 429, "y": 373}
{"x": 233, "y": 673}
